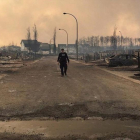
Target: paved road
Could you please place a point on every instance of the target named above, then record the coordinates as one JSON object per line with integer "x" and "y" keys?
{"x": 87, "y": 91}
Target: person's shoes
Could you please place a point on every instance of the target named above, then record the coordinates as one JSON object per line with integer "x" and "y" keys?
{"x": 66, "y": 74}
{"x": 62, "y": 75}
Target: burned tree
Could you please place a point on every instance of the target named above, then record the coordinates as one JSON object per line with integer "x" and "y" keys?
{"x": 35, "y": 46}
{"x": 54, "y": 40}
{"x": 92, "y": 41}
{"x": 114, "y": 39}
{"x": 29, "y": 39}
{"x": 113, "y": 42}
{"x": 102, "y": 41}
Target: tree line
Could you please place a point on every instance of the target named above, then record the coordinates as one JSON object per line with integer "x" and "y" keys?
{"x": 105, "y": 41}
{"x": 113, "y": 41}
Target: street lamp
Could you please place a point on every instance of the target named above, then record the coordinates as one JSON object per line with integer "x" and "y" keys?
{"x": 51, "y": 40}
{"x": 76, "y": 33}
{"x": 67, "y": 38}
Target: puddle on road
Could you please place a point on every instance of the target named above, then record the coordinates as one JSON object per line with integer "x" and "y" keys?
{"x": 51, "y": 128}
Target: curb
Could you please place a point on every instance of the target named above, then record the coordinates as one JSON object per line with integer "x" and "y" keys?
{"x": 119, "y": 75}
{"x": 111, "y": 72}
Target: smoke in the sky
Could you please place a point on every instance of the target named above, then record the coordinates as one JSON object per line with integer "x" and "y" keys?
{"x": 95, "y": 17}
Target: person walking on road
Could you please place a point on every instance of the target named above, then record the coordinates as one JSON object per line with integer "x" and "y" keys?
{"x": 63, "y": 59}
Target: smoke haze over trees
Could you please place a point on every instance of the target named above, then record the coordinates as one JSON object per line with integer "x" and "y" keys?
{"x": 98, "y": 18}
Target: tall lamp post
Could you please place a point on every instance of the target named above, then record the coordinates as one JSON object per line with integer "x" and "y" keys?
{"x": 67, "y": 37}
{"x": 76, "y": 33}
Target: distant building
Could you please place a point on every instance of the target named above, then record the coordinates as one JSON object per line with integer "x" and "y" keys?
{"x": 45, "y": 48}
{"x": 71, "y": 48}
{"x": 82, "y": 48}
{"x": 25, "y": 44}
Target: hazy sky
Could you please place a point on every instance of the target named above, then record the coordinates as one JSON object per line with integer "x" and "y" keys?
{"x": 95, "y": 17}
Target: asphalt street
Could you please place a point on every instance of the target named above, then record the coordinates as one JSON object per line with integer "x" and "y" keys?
{"x": 37, "y": 91}
{"x": 91, "y": 91}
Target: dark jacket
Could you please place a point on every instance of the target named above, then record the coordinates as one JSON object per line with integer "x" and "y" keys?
{"x": 63, "y": 57}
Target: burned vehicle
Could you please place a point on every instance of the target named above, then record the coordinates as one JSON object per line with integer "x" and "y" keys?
{"x": 122, "y": 60}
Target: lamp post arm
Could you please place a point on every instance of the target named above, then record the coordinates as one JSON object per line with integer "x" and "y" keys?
{"x": 65, "y": 31}
{"x": 67, "y": 37}
{"x": 77, "y": 25}
{"x": 51, "y": 40}
{"x": 73, "y": 16}
{"x": 76, "y": 33}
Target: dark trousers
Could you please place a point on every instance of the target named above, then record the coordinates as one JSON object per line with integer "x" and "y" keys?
{"x": 63, "y": 67}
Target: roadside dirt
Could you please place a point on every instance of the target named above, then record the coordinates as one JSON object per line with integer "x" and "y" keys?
{"x": 7, "y": 69}
{"x": 115, "y": 136}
